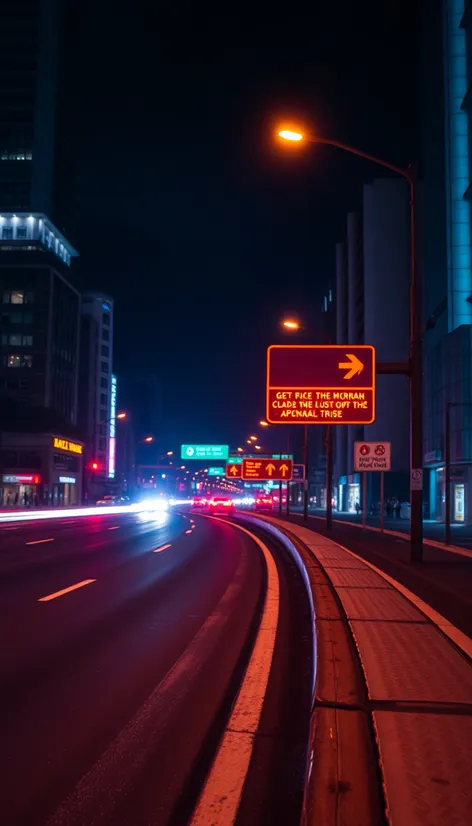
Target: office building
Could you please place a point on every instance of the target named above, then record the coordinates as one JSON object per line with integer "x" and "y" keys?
{"x": 446, "y": 251}
{"x": 38, "y": 86}
{"x": 372, "y": 287}
{"x": 39, "y": 299}
{"x": 98, "y": 385}
{"x": 39, "y": 316}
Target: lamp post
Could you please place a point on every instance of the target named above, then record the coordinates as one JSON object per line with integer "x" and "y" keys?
{"x": 414, "y": 368}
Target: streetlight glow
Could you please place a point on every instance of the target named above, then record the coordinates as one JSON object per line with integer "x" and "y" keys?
{"x": 290, "y": 324}
{"x": 253, "y": 438}
{"x": 288, "y": 135}
{"x": 240, "y": 450}
{"x": 121, "y": 415}
{"x": 263, "y": 423}
{"x": 257, "y": 447}
{"x": 149, "y": 439}
{"x": 170, "y": 453}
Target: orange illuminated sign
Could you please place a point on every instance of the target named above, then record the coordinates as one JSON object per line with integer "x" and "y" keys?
{"x": 320, "y": 384}
{"x": 69, "y": 447}
{"x": 233, "y": 471}
{"x": 278, "y": 470}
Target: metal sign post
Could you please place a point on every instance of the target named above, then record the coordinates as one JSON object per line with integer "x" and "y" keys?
{"x": 364, "y": 500}
{"x": 382, "y": 500}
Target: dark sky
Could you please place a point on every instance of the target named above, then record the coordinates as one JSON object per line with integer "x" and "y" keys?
{"x": 202, "y": 227}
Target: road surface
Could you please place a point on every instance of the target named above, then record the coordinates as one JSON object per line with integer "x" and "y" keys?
{"x": 124, "y": 644}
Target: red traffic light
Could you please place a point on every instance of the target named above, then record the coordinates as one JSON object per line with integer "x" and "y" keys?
{"x": 94, "y": 465}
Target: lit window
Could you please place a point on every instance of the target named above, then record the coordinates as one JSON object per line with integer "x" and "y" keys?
{"x": 105, "y": 368}
{"x": 105, "y": 350}
{"x": 106, "y": 319}
{"x": 7, "y": 233}
{"x": 22, "y": 233}
{"x": 19, "y": 361}
{"x": 13, "y": 297}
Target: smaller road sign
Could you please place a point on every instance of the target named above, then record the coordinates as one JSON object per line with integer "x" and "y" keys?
{"x": 298, "y": 473}
{"x": 267, "y": 469}
{"x": 234, "y": 470}
{"x": 204, "y": 452}
{"x": 216, "y": 471}
{"x": 372, "y": 455}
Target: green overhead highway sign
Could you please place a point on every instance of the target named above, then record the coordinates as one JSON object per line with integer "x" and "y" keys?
{"x": 203, "y": 452}
{"x": 216, "y": 471}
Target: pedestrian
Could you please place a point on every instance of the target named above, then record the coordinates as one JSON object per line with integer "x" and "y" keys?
{"x": 358, "y": 507}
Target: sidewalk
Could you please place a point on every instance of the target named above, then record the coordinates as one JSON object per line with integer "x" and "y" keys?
{"x": 419, "y": 684}
{"x": 443, "y": 580}
{"x": 460, "y": 534}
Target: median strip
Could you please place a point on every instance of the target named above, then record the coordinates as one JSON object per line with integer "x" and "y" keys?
{"x": 39, "y": 541}
{"x": 66, "y": 590}
{"x": 162, "y": 548}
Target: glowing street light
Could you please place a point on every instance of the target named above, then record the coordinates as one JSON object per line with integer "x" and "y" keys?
{"x": 288, "y": 135}
{"x": 290, "y": 324}
{"x": 148, "y": 439}
{"x": 263, "y": 423}
{"x": 257, "y": 447}
{"x": 240, "y": 450}
{"x": 121, "y": 415}
{"x": 170, "y": 453}
{"x": 253, "y": 438}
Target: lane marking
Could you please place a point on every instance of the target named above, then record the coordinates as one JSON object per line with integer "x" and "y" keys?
{"x": 115, "y": 528}
{"x": 190, "y": 531}
{"x": 219, "y": 801}
{"x": 66, "y": 590}
{"x": 162, "y": 548}
{"x": 10, "y": 529}
{"x": 39, "y": 541}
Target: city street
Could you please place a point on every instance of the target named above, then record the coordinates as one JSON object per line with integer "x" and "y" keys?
{"x": 124, "y": 644}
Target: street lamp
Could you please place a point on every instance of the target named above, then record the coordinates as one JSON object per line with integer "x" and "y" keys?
{"x": 414, "y": 367}
{"x": 263, "y": 423}
{"x": 253, "y": 438}
{"x": 290, "y": 324}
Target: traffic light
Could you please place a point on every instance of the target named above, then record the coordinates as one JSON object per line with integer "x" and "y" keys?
{"x": 94, "y": 465}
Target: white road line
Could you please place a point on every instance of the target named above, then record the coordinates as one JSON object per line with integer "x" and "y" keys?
{"x": 162, "y": 548}
{"x": 190, "y": 531}
{"x": 115, "y": 528}
{"x": 39, "y": 541}
{"x": 219, "y": 802}
{"x": 66, "y": 590}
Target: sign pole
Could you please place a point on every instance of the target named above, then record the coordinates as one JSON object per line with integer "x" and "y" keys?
{"x": 329, "y": 478}
{"x": 287, "y": 509}
{"x": 447, "y": 475}
{"x": 364, "y": 500}
{"x": 305, "y": 483}
{"x": 280, "y": 497}
{"x": 382, "y": 500}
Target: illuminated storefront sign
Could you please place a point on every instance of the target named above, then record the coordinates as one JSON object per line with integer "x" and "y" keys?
{"x": 112, "y": 442}
{"x": 22, "y": 479}
{"x": 67, "y": 480}
{"x": 69, "y": 447}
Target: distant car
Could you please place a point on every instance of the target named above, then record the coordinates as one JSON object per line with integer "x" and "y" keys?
{"x": 114, "y": 500}
{"x": 109, "y": 500}
{"x": 221, "y": 504}
{"x": 199, "y": 503}
{"x": 264, "y": 504}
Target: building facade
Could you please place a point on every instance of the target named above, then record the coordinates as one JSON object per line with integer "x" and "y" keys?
{"x": 98, "y": 385}
{"x": 372, "y": 284}
{"x": 39, "y": 320}
{"x": 446, "y": 249}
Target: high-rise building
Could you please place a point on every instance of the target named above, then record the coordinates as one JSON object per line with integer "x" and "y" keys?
{"x": 38, "y": 40}
{"x": 97, "y": 383}
{"x": 39, "y": 300}
{"x": 373, "y": 276}
{"x": 446, "y": 250}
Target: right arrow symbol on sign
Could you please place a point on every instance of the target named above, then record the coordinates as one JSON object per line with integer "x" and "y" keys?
{"x": 354, "y": 366}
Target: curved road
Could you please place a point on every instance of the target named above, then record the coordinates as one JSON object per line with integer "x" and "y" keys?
{"x": 123, "y": 646}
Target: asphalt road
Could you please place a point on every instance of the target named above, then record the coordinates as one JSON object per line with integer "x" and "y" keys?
{"x": 113, "y": 695}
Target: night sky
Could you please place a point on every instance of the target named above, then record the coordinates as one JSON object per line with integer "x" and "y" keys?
{"x": 203, "y": 227}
